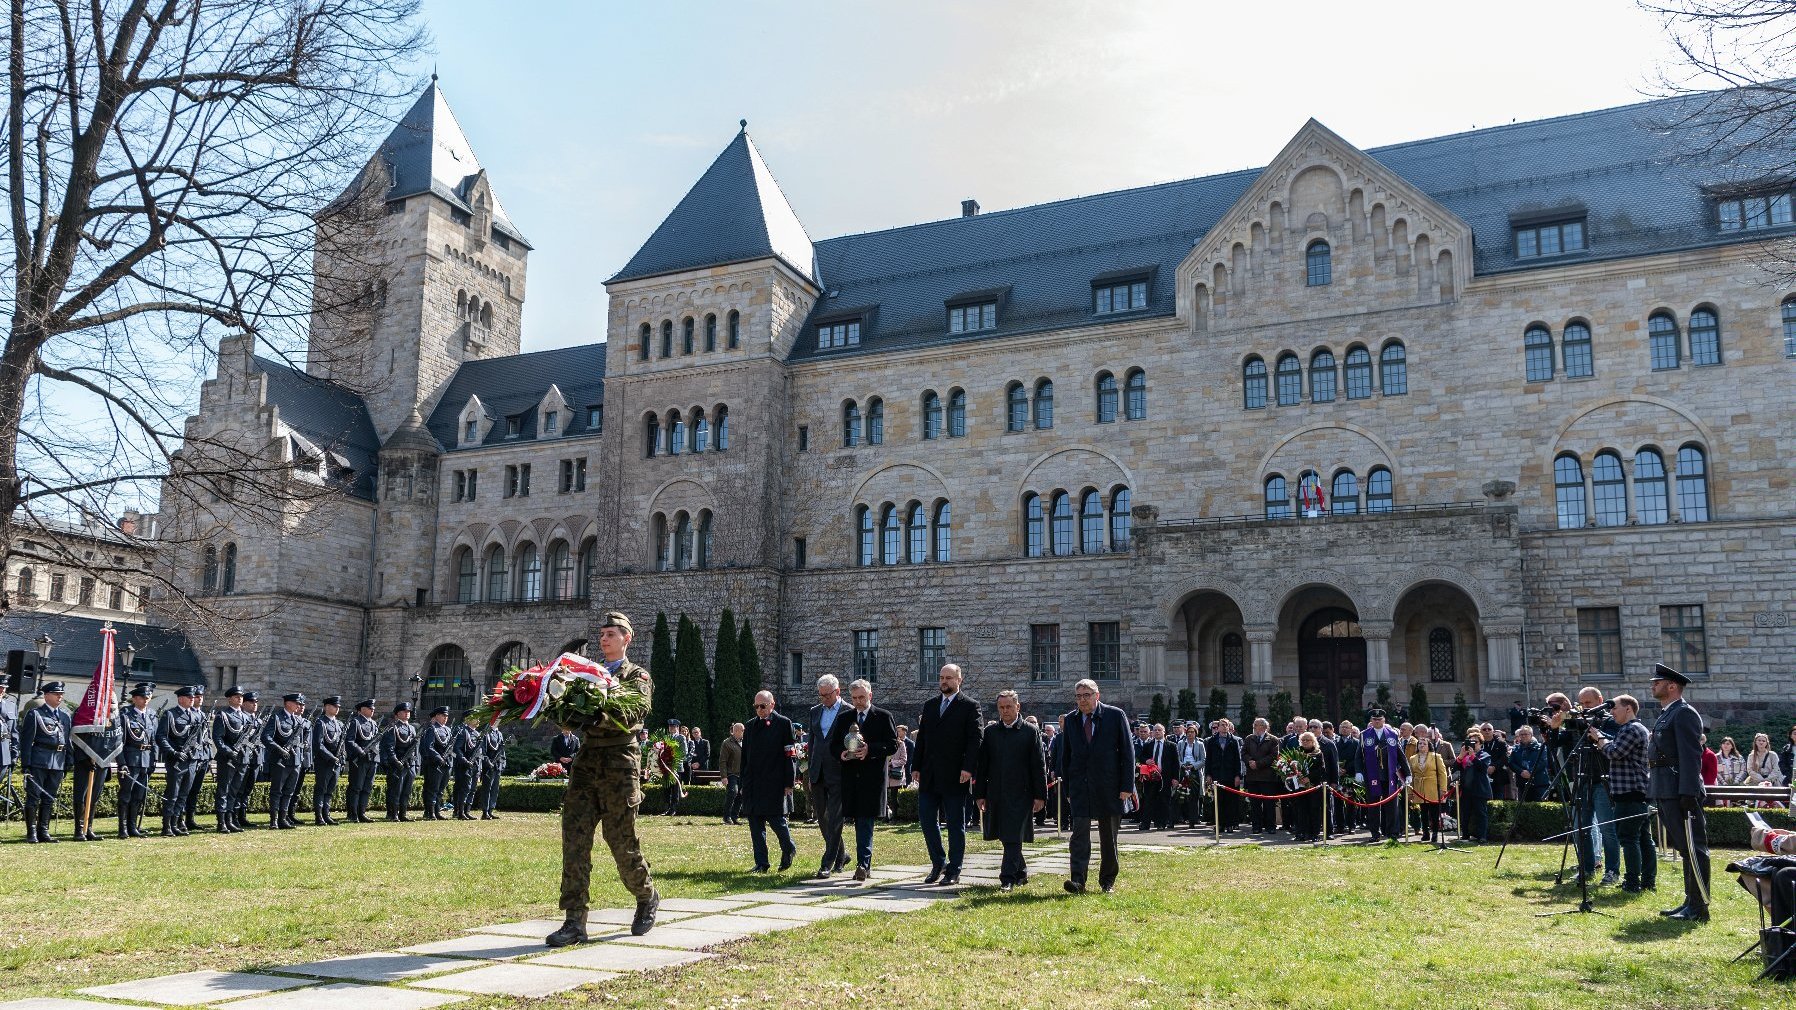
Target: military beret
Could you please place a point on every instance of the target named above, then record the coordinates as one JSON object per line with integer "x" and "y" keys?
{"x": 249, "y": 696}
{"x": 53, "y": 687}
{"x": 335, "y": 699}
{"x": 367, "y": 703}
{"x": 295, "y": 696}
{"x": 143, "y": 691}
{"x": 439, "y": 710}
{"x": 614, "y": 619}
{"x": 1663, "y": 672}
{"x": 186, "y": 691}
{"x": 234, "y": 692}
{"x": 404, "y": 706}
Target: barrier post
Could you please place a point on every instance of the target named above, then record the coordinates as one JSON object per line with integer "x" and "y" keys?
{"x": 1216, "y": 809}
{"x": 1459, "y": 804}
{"x": 1324, "y": 815}
{"x": 1403, "y": 809}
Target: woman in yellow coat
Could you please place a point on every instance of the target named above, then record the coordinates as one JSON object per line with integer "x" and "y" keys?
{"x": 1428, "y": 777}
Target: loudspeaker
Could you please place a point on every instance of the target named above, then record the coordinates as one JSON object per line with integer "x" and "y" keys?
{"x": 16, "y": 665}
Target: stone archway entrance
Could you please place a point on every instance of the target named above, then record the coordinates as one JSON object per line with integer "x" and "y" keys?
{"x": 1331, "y": 661}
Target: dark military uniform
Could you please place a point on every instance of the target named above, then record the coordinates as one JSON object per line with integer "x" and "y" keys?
{"x": 1674, "y": 759}
{"x": 177, "y": 736}
{"x": 467, "y": 751}
{"x": 231, "y": 733}
{"x": 92, "y": 757}
{"x": 328, "y": 754}
{"x": 135, "y": 763}
{"x": 361, "y": 742}
{"x": 9, "y": 745}
{"x": 284, "y": 737}
{"x": 302, "y": 751}
{"x": 433, "y": 747}
{"x": 255, "y": 761}
{"x": 44, "y": 734}
{"x": 399, "y": 758}
{"x": 492, "y": 765}
{"x": 203, "y": 752}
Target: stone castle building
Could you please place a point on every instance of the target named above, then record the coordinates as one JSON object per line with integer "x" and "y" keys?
{"x": 1497, "y": 412}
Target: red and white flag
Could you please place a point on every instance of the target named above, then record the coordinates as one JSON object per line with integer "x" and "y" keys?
{"x": 95, "y": 714}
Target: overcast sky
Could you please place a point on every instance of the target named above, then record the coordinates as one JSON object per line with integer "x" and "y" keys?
{"x": 593, "y": 119}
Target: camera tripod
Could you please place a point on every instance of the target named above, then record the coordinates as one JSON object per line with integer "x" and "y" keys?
{"x": 1581, "y": 795}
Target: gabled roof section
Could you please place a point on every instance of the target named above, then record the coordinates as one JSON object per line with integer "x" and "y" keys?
{"x": 734, "y": 213}
{"x": 428, "y": 153}
{"x": 328, "y": 416}
{"x": 514, "y": 386}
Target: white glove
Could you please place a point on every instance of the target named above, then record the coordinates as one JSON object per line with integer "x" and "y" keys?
{"x": 1359, "y": 777}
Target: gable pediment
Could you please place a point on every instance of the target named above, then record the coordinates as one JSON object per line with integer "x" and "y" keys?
{"x": 1389, "y": 244}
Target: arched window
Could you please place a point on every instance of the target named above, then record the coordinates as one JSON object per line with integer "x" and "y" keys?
{"x": 448, "y": 680}
{"x": 932, "y": 416}
{"x": 1705, "y": 337}
{"x": 1693, "y": 485}
{"x": 676, "y": 433}
{"x": 1662, "y": 340}
{"x": 682, "y": 541}
{"x": 851, "y": 425}
{"x": 876, "y": 421}
{"x": 889, "y": 534}
{"x": 1319, "y": 266}
{"x": 1063, "y": 524}
{"x": 1135, "y": 395}
{"x": 530, "y": 575}
{"x": 1568, "y": 491}
{"x": 701, "y": 430}
{"x": 711, "y": 331}
{"x": 467, "y": 577}
{"x": 1344, "y": 494}
{"x": 1579, "y": 363}
{"x": 27, "y": 584}
{"x": 1310, "y": 493}
{"x": 1378, "y": 490}
{"x": 1234, "y": 659}
{"x": 944, "y": 532}
{"x": 589, "y": 556}
{"x": 1359, "y": 373}
{"x": 723, "y": 427}
{"x": 1442, "y": 666}
{"x": 1393, "y": 369}
{"x": 561, "y": 571}
{"x": 916, "y": 533}
{"x": 1537, "y": 348}
{"x": 498, "y": 576}
{"x": 227, "y": 582}
{"x": 1253, "y": 384}
{"x": 957, "y": 413}
{"x": 1650, "y": 503}
{"x": 667, "y": 338}
{"x": 1035, "y": 539}
{"x": 642, "y": 341}
{"x": 1290, "y": 380}
{"x": 735, "y": 330}
{"x": 1016, "y": 407}
{"x": 663, "y": 544}
{"x": 1044, "y": 404}
{"x": 1091, "y": 522}
{"x": 651, "y": 431}
{"x": 1789, "y": 316}
{"x": 1121, "y": 522}
{"x": 863, "y": 524}
{"x": 1609, "y": 490}
{"x": 1278, "y": 498}
{"x": 1322, "y": 377}
{"x": 461, "y": 305}
{"x": 686, "y": 335}
{"x": 1109, "y": 398}
{"x": 704, "y": 539}
{"x": 507, "y": 657}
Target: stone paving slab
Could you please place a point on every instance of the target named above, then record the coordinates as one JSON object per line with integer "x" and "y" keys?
{"x": 539, "y": 928}
{"x": 680, "y": 939}
{"x": 195, "y": 988}
{"x": 617, "y": 957}
{"x": 381, "y": 966}
{"x": 948, "y": 893}
{"x": 774, "y": 898}
{"x": 801, "y": 913}
{"x": 871, "y": 904}
{"x": 56, "y": 1003}
{"x": 531, "y": 981}
{"x": 484, "y": 946}
{"x": 702, "y": 904}
{"x": 349, "y": 996}
{"x": 739, "y": 922}
{"x": 625, "y": 916}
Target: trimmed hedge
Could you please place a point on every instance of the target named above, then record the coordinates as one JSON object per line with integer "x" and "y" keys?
{"x": 1533, "y": 821}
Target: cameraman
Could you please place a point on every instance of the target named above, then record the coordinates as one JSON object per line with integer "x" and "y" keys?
{"x": 1589, "y": 783}
{"x": 1628, "y": 777}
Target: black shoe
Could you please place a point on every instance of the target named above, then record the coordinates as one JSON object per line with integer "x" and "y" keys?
{"x": 645, "y": 914}
{"x": 1693, "y": 913}
{"x": 1674, "y": 912}
{"x": 1632, "y": 888}
{"x": 571, "y": 932}
{"x": 950, "y": 878}
{"x": 1022, "y": 881}
{"x": 760, "y": 869}
{"x": 860, "y": 873}
{"x": 1074, "y": 886}
{"x": 824, "y": 871}
{"x": 786, "y": 858}
{"x": 935, "y": 874}
{"x": 841, "y": 861}
{"x": 1006, "y": 887}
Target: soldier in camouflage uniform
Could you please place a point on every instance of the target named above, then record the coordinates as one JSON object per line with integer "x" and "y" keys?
{"x": 604, "y": 791}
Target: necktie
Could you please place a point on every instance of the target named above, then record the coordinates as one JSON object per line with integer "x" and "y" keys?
{"x": 860, "y": 718}
{"x": 1088, "y": 729}
{"x": 945, "y": 700}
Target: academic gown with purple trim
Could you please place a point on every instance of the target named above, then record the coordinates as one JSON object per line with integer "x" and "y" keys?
{"x": 1382, "y": 755}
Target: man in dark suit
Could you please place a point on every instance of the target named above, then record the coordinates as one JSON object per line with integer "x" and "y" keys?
{"x": 563, "y": 748}
{"x": 1223, "y": 760}
{"x": 1156, "y": 796}
{"x": 767, "y": 777}
{"x": 1010, "y": 785}
{"x": 1097, "y": 770}
{"x": 698, "y": 753}
{"x": 823, "y": 780}
{"x": 1674, "y": 760}
{"x": 1259, "y": 752}
{"x": 947, "y": 752}
{"x": 863, "y": 773}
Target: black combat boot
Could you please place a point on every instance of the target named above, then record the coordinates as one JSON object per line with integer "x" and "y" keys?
{"x": 645, "y": 913}
{"x": 571, "y": 932}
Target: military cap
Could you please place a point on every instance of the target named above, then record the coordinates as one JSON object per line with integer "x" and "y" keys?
{"x": 335, "y": 699}
{"x": 439, "y": 710}
{"x": 199, "y": 690}
{"x": 404, "y": 706}
{"x": 234, "y": 692}
{"x": 615, "y": 619}
{"x": 53, "y": 687}
{"x": 367, "y": 703}
{"x": 1663, "y": 672}
{"x": 249, "y": 696}
{"x": 673, "y": 722}
{"x": 186, "y": 691}
{"x": 5, "y": 681}
{"x": 1375, "y": 713}
{"x": 143, "y": 691}
{"x": 295, "y": 696}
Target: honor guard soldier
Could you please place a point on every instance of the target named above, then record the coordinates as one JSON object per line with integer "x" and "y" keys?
{"x": 44, "y": 735}
{"x": 327, "y": 759}
{"x": 203, "y": 752}
{"x": 284, "y": 737}
{"x": 177, "y": 736}
{"x": 604, "y": 791}
{"x": 433, "y": 748}
{"x": 9, "y": 747}
{"x": 492, "y": 765}
{"x": 302, "y": 752}
{"x": 361, "y": 742}
{"x": 231, "y": 730}
{"x": 399, "y": 757}
{"x": 137, "y": 728}
{"x": 1674, "y": 760}
{"x": 466, "y": 749}
{"x": 255, "y": 761}
{"x": 92, "y": 754}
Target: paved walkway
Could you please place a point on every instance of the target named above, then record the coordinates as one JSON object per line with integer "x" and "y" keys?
{"x": 509, "y": 959}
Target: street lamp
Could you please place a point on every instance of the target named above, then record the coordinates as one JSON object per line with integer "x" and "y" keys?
{"x": 417, "y": 689}
{"x": 126, "y": 656}
{"x": 44, "y": 643}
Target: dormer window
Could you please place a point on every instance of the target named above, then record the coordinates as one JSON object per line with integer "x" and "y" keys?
{"x": 973, "y": 318}
{"x": 513, "y": 425}
{"x": 551, "y": 421}
{"x": 471, "y": 430}
{"x": 461, "y": 217}
{"x": 1119, "y": 296}
{"x": 1755, "y": 211}
{"x": 501, "y": 240}
{"x": 1550, "y": 238}
{"x": 595, "y": 419}
{"x": 840, "y": 334}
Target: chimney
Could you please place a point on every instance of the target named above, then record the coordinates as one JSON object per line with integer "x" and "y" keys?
{"x": 127, "y": 523}
{"x": 969, "y": 208}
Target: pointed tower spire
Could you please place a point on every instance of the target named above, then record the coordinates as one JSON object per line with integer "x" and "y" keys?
{"x": 428, "y": 153}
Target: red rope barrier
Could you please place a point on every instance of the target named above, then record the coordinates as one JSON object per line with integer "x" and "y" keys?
{"x": 1262, "y": 796}
{"x": 1364, "y": 806}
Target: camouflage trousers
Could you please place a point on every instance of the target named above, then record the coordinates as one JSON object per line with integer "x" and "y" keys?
{"x": 603, "y": 792}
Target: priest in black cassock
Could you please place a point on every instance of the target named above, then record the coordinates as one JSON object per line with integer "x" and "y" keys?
{"x": 1010, "y": 784}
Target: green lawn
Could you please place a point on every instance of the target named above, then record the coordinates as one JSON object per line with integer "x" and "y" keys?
{"x": 1246, "y": 927}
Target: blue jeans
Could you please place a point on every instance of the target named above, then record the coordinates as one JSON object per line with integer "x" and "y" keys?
{"x": 951, "y": 807}
{"x": 863, "y": 842}
{"x": 1598, "y": 809}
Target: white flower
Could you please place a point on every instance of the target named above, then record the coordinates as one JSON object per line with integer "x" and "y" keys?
{"x": 556, "y": 688}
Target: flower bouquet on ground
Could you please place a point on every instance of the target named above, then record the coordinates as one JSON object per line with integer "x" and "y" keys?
{"x": 1294, "y": 766}
{"x": 571, "y": 691}
{"x": 547, "y": 770}
{"x": 1148, "y": 771}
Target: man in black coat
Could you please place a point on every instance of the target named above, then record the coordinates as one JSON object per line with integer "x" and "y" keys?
{"x": 1222, "y": 757}
{"x": 698, "y": 754}
{"x": 1156, "y": 795}
{"x": 863, "y": 773}
{"x": 947, "y": 751}
{"x": 823, "y": 779}
{"x": 563, "y": 748}
{"x": 1010, "y": 785}
{"x": 767, "y": 776}
{"x": 1097, "y": 770}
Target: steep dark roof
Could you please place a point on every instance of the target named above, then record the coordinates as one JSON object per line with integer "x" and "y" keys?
{"x": 735, "y": 212}
{"x": 428, "y": 153}
{"x": 513, "y": 386}
{"x": 1638, "y": 173}
{"x": 329, "y": 416}
{"x": 77, "y": 650}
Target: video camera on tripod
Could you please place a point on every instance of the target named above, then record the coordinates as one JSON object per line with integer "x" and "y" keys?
{"x": 1576, "y": 718}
